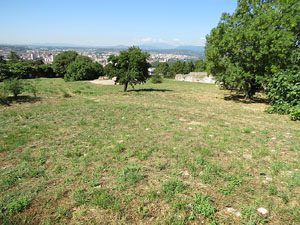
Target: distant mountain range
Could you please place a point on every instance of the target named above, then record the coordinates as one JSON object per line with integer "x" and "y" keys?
{"x": 191, "y": 50}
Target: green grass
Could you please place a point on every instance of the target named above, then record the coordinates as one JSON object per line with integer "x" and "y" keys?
{"x": 173, "y": 153}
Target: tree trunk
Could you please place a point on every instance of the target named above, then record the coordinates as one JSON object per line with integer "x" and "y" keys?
{"x": 125, "y": 86}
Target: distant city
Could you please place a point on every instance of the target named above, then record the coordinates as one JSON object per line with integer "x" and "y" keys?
{"x": 100, "y": 55}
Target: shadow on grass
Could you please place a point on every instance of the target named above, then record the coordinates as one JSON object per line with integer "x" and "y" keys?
{"x": 20, "y": 99}
{"x": 149, "y": 90}
{"x": 241, "y": 99}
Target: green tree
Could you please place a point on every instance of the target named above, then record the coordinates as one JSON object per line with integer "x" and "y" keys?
{"x": 4, "y": 71}
{"x": 14, "y": 86}
{"x": 45, "y": 70}
{"x": 83, "y": 68}
{"x": 191, "y": 67}
{"x": 130, "y": 67}
{"x": 2, "y": 60}
{"x": 162, "y": 69}
{"x": 246, "y": 48}
{"x": 19, "y": 70}
{"x": 62, "y": 61}
{"x": 200, "y": 66}
{"x": 178, "y": 67}
{"x": 13, "y": 57}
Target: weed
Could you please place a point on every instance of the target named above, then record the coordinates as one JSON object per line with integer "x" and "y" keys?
{"x": 65, "y": 94}
{"x": 17, "y": 205}
{"x": 202, "y": 205}
{"x": 131, "y": 174}
{"x": 173, "y": 186}
{"x": 277, "y": 166}
{"x": 152, "y": 194}
{"x": 80, "y": 196}
{"x": 105, "y": 200}
{"x": 161, "y": 166}
{"x": 62, "y": 212}
{"x": 206, "y": 178}
{"x": 273, "y": 190}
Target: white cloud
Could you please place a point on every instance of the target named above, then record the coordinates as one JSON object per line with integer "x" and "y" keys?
{"x": 153, "y": 40}
{"x": 173, "y": 41}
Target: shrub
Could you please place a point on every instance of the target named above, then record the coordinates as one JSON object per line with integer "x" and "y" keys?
{"x": 4, "y": 96}
{"x": 295, "y": 113}
{"x": 14, "y": 86}
{"x": 31, "y": 87}
{"x": 156, "y": 79}
{"x": 283, "y": 92}
{"x": 83, "y": 68}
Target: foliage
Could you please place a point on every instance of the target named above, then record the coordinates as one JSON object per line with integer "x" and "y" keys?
{"x": 45, "y": 70}
{"x": 80, "y": 196}
{"x": 284, "y": 93}
{"x": 83, "y": 68}
{"x": 4, "y": 71}
{"x": 202, "y": 205}
{"x": 24, "y": 69}
{"x": 162, "y": 69}
{"x": 14, "y": 86}
{"x": 178, "y": 67}
{"x": 131, "y": 174}
{"x": 156, "y": 79}
{"x": 2, "y": 60}
{"x": 62, "y": 61}
{"x": 17, "y": 205}
{"x": 4, "y": 96}
{"x": 19, "y": 70}
{"x": 190, "y": 66}
{"x": 200, "y": 66}
{"x": 173, "y": 186}
{"x": 130, "y": 67}
{"x": 13, "y": 57}
{"x": 105, "y": 200}
{"x": 246, "y": 48}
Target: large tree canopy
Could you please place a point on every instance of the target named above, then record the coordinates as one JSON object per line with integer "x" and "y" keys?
{"x": 62, "y": 61}
{"x": 130, "y": 67}
{"x": 246, "y": 48}
{"x": 83, "y": 68}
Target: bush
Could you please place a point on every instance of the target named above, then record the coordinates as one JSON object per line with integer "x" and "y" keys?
{"x": 3, "y": 96}
{"x": 156, "y": 79}
{"x": 14, "y": 86}
{"x": 83, "y": 70}
{"x": 295, "y": 113}
{"x": 31, "y": 87}
{"x": 283, "y": 92}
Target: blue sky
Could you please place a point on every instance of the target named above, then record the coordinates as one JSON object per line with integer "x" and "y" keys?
{"x": 110, "y": 22}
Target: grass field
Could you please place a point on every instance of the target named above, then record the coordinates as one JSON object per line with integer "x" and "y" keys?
{"x": 170, "y": 153}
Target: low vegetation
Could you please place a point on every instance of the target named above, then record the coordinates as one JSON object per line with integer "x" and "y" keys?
{"x": 169, "y": 153}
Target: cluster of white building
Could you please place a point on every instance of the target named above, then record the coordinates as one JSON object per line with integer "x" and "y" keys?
{"x": 48, "y": 54}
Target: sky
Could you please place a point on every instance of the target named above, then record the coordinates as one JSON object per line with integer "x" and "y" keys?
{"x": 110, "y": 22}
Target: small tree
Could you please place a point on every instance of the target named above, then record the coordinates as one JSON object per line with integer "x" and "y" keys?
{"x": 14, "y": 86}
{"x": 130, "y": 67}
{"x": 13, "y": 57}
{"x": 4, "y": 71}
{"x": 200, "y": 66}
{"x": 62, "y": 61}
{"x": 83, "y": 68}
{"x": 163, "y": 69}
{"x": 20, "y": 70}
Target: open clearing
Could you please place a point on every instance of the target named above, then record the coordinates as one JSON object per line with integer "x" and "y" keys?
{"x": 170, "y": 153}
